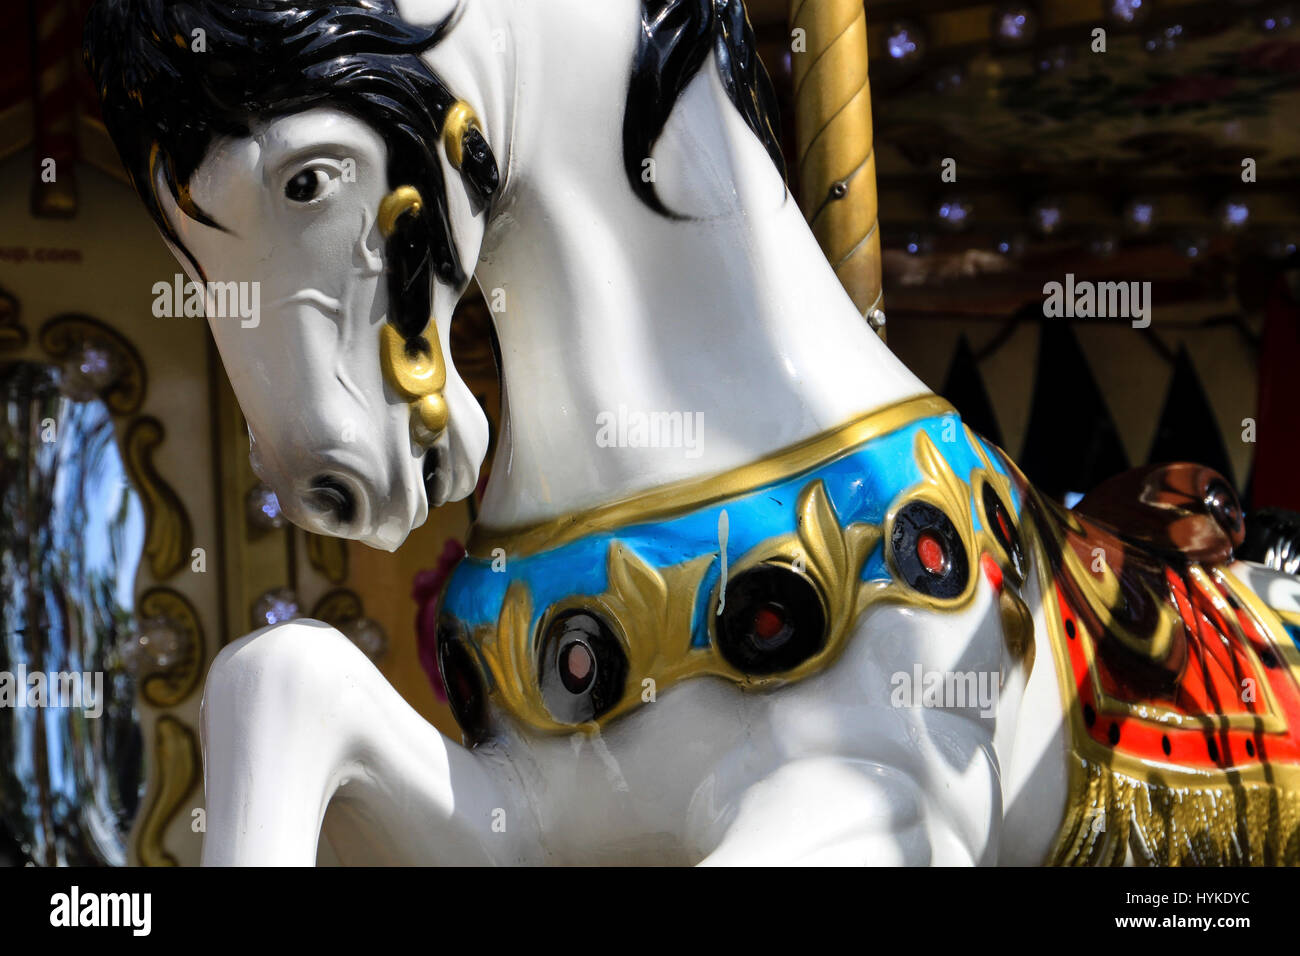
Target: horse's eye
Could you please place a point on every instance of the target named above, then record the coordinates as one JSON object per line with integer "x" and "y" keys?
{"x": 306, "y": 185}
{"x": 583, "y": 668}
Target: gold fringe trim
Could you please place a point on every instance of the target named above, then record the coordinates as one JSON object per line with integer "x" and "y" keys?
{"x": 1125, "y": 820}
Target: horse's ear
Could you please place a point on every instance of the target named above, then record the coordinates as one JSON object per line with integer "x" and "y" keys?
{"x": 408, "y": 261}
{"x": 468, "y": 151}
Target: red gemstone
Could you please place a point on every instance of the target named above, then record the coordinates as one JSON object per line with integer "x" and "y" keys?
{"x": 933, "y": 555}
{"x": 991, "y": 571}
{"x": 768, "y": 622}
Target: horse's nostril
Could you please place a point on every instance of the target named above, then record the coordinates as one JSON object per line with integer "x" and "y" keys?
{"x": 332, "y": 495}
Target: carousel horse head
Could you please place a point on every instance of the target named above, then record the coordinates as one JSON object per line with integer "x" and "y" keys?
{"x": 306, "y": 157}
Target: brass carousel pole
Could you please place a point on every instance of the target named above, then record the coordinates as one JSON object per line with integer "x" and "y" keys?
{"x": 836, "y": 157}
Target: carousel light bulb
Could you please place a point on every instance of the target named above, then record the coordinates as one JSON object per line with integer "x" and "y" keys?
{"x": 1163, "y": 40}
{"x": 157, "y": 644}
{"x": 1126, "y": 13}
{"x": 1281, "y": 245}
{"x": 1014, "y": 24}
{"x": 1054, "y": 59}
{"x": 953, "y": 215}
{"x": 905, "y": 42}
{"x": 1141, "y": 215}
{"x": 1192, "y": 245}
{"x": 1233, "y": 214}
{"x": 918, "y": 244}
{"x": 1011, "y": 244}
{"x": 366, "y": 635}
{"x": 275, "y": 606}
{"x": 1048, "y": 216}
{"x": 1276, "y": 20}
{"x": 949, "y": 78}
{"x": 262, "y": 508}
{"x": 1103, "y": 245}
{"x": 89, "y": 370}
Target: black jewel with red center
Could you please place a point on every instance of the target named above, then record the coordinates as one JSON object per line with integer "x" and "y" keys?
{"x": 772, "y": 620}
{"x": 928, "y": 551}
{"x": 582, "y": 667}
{"x": 998, "y": 520}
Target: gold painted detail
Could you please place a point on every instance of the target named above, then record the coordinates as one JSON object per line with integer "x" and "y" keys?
{"x": 398, "y": 203}
{"x": 169, "y": 688}
{"x": 1017, "y": 619}
{"x": 837, "y": 161}
{"x": 176, "y": 773}
{"x": 461, "y": 118}
{"x": 651, "y": 612}
{"x": 418, "y": 373}
{"x": 338, "y": 607}
{"x": 168, "y": 535}
{"x": 12, "y": 334}
{"x": 692, "y": 493}
{"x": 63, "y": 335}
{"x": 1121, "y": 808}
{"x": 1114, "y": 818}
{"x": 329, "y": 556}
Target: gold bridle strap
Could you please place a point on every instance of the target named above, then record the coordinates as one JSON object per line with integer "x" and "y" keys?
{"x": 415, "y": 368}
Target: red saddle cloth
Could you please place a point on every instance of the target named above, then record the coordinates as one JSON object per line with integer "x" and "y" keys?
{"x": 1174, "y": 660}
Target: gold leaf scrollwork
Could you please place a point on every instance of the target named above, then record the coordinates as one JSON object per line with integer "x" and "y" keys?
{"x": 654, "y": 609}
{"x": 170, "y": 687}
{"x": 329, "y": 556}
{"x": 168, "y": 535}
{"x": 176, "y": 765}
{"x": 62, "y": 335}
{"x": 940, "y": 487}
{"x": 831, "y": 557}
{"x": 507, "y": 653}
{"x": 12, "y": 334}
{"x": 834, "y": 557}
{"x": 338, "y": 607}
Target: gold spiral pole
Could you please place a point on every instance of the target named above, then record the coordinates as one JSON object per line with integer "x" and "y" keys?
{"x": 836, "y": 156}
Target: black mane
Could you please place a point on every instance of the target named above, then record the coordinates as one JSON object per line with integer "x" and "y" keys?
{"x": 164, "y": 103}
{"x": 676, "y": 38}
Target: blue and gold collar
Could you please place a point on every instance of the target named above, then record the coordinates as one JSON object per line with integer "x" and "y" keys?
{"x": 570, "y": 624}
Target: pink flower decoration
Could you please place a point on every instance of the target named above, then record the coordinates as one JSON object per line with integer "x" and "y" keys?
{"x": 427, "y": 592}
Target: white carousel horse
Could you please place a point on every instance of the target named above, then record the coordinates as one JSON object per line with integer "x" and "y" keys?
{"x": 862, "y": 538}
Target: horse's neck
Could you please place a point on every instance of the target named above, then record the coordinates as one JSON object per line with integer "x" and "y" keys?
{"x": 612, "y": 313}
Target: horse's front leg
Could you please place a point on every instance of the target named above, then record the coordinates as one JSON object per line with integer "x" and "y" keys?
{"x": 295, "y": 715}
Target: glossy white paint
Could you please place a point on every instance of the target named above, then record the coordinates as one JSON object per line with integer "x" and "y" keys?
{"x": 824, "y": 771}
{"x": 734, "y": 313}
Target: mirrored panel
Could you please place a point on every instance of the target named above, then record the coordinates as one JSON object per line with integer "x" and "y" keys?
{"x": 72, "y": 533}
